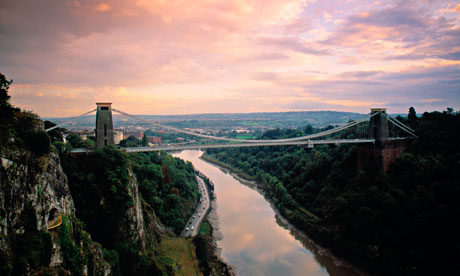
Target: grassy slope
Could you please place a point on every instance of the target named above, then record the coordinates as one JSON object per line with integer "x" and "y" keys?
{"x": 182, "y": 255}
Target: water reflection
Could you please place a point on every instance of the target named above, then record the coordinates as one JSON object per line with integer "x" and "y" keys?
{"x": 253, "y": 241}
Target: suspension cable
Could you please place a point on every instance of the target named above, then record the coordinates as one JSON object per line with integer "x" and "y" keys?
{"x": 70, "y": 120}
{"x": 324, "y": 133}
{"x": 401, "y": 125}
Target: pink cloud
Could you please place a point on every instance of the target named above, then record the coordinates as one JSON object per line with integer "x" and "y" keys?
{"x": 102, "y": 7}
{"x": 232, "y": 56}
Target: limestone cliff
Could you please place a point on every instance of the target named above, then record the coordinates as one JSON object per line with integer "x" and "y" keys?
{"x": 34, "y": 196}
{"x": 106, "y": 195}
{"x": 133, "y": 226}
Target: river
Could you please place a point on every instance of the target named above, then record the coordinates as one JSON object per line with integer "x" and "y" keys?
{"x": 255, "y": 241}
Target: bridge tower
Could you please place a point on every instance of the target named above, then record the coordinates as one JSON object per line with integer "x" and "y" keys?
{"x": 384, "y": 151}
{"x": 104, "y": 125}
{"x": 378, "y": 124}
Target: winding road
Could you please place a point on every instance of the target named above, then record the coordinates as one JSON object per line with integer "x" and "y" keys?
{"x": 193, "y": 224}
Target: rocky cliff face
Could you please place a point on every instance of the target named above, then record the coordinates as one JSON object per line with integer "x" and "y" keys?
{"x": 37, "y": 186}
{"x": 38, "y": 182}
{"x": 106, "y": 195}
{"x": 133, "y": 226}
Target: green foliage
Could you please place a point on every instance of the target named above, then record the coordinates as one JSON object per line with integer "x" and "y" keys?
{"x": 62, "y": 148}
{"x": 55, "y": 134}
{"x": 99, "y": 186}
{"x": 131, "y": 141}
{"x": 77, "y": 142}
{"x": 32, "y": 248}
{"x": 72, "y": 259}
{"x": 74, "y": 140}
{"x": 203, "y": 253}
{"x": 388, "y": 223}
{"x": 144, "y": 141}
{"x": 4, "y": 87}
{"x": 19, "y": 128}
{"x": 111, "y": 256}
{"x": 6, "y": 111}
{"x": 38, "y": 142}
{"x": 168, "y": 185}
{"x": 412, "y": 114}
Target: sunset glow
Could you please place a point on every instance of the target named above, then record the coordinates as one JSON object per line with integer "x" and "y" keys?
{"x": 211, "y": 56}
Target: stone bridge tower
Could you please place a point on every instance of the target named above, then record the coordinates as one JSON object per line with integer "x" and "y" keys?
{"x": 378, "y": 125}
{"x": 104, "y": 125}
{"x": 384, "y": 151}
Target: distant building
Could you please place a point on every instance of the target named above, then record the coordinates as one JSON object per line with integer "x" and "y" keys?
{"x": 136, "y": 133}
{"x": 154, "y": 140}
{"x": 243, "y": 130}
{"x": 85, "y": 134}
{"x": 118, "y": 135}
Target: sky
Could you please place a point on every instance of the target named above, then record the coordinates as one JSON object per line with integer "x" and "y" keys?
{"x": 222, "y": 56}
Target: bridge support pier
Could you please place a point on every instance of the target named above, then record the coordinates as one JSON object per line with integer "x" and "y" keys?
{"x": 384, "y": 151}
{"x": 104, "y": 125}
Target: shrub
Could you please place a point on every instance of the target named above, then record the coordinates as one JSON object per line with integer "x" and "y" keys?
{"x": 38, "y": 142}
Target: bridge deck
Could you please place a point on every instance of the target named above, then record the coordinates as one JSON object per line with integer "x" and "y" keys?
{"x": 236, "y": 145}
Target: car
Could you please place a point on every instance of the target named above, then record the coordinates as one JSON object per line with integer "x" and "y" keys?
{"x": 193, "y": 216}
{"x": 190, "y": 222}
{"x": 196, "y": 211}
{"x": 192, "y": 228}
{"x": 186, "y": 229}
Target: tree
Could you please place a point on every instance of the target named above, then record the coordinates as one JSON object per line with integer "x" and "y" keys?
{"x": 309, "y": 129}
{"x": 55, "y": 134}
{"x": 6, "y": 110}
{"x": 4, "y": 87}
{"x": 412, "y": 114}
{"x": 38, "y": 142}
{"x": 75, "y": 140}
{"x": 144, "y": 140}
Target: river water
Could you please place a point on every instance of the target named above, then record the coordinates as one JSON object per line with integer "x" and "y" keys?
{"x": 255, "y": 241}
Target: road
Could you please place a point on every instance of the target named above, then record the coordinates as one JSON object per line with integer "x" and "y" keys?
{"x": 199, "y": 213}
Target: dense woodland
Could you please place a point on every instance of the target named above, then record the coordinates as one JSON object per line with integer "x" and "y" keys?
{"x": 402, "y": 222}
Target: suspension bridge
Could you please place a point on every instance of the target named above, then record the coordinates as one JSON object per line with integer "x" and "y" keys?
{"x": 374, "y": 127}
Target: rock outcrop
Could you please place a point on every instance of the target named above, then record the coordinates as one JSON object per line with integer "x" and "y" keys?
{"x": 37, "y": 187}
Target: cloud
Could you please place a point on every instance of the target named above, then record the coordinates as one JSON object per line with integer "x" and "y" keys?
{"x": 310, "y": 105}
{"x": 294, "y": 44}
{"x": 424, "y": 74}
{"x": 408, "y": 30}
{"x": 265, "y": 76}
{"x": 234, "y": 56}
{"x": 451, "y": 56}
{"x": 102, "y": 7}
{"x": 359, "y": 74}
{"x": 451, "y": 8}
